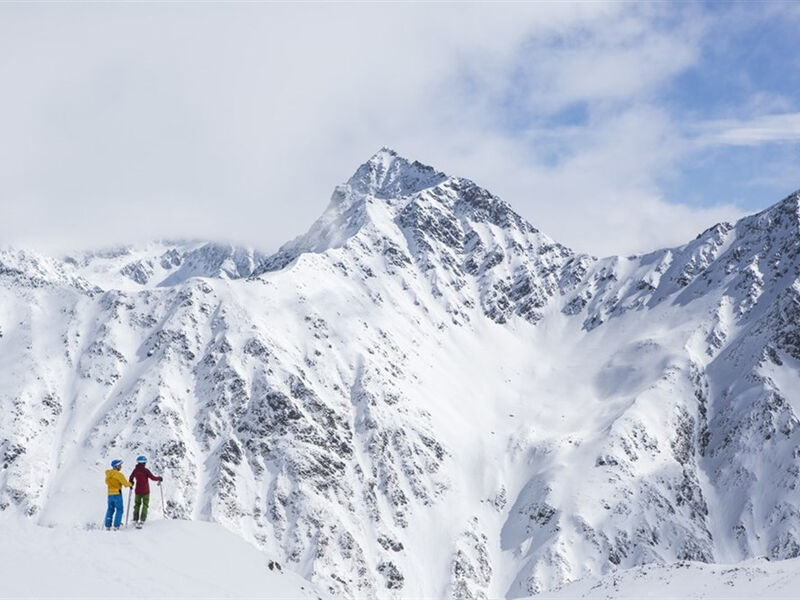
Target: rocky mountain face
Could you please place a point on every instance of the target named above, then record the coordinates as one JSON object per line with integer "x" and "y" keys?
{"x": 423, "y": 395}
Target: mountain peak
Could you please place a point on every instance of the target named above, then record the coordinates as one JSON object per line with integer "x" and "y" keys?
{"x": 388, "y": 175}
{"x": 792, "y": 201}
{"x": 783, "y": 214}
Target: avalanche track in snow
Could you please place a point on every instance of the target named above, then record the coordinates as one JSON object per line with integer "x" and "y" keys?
{"x": 423, "y": 395}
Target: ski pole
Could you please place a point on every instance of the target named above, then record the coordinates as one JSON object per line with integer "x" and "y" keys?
{"x": 163, "y": 507}
{"x": 128, "y": 510}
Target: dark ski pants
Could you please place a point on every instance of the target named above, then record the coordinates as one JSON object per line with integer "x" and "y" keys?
{"x": 114, "y": 510}
{"x": 142, "y": 501}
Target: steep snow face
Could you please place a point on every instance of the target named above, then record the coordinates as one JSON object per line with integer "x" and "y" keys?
{"x": 701, "y": 334}
{"x": 423, "y": 395}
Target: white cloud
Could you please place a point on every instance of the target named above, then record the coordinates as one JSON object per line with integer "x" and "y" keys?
{"x": 597, "y": 68}
{"x": 751, "y": 132}
{"x": 602, "y": 198}
{"x": 124, "y": 122}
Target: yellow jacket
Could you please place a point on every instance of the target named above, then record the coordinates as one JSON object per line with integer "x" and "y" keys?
{"x": 115, "y": 480}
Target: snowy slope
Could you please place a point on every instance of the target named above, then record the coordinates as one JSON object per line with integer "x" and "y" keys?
{"x": 168, "y": 559}
{"x": 751, "y": 579}
{"x": 423, "y": 395}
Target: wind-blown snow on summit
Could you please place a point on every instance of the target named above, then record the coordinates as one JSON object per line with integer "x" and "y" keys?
{"x": 423, "y": 395}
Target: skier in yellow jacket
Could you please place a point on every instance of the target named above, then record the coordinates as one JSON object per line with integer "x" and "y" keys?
{"x": 115, "y": 480}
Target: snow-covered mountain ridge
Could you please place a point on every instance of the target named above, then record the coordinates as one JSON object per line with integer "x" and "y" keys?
{"x": 684, "y": 579}
{"x": 423, "y": 395}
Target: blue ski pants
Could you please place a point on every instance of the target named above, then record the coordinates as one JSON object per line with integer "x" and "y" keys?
{"x": 114, "y": 510}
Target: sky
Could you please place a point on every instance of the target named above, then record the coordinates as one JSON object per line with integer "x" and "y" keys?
{"x": 614, "y": 128}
